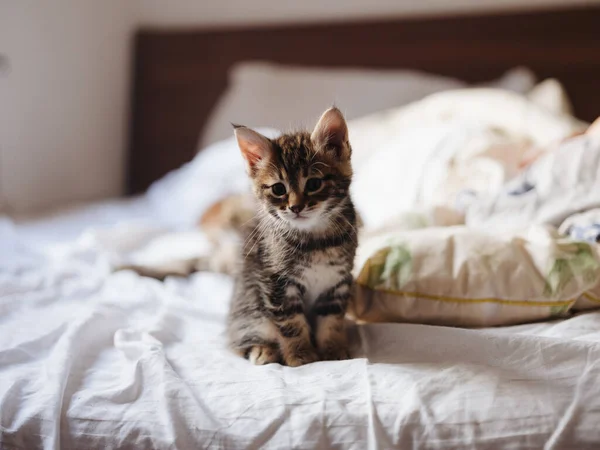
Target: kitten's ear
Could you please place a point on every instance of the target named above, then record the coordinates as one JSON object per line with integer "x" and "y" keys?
{"x": 254, "y": 146}
{"x": 331, "y": 131}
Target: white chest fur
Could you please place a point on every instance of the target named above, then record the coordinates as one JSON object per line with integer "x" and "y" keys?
{"x": 318, "y": 278}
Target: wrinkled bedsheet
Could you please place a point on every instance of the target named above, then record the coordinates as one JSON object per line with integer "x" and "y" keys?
{"x": 90, "y": 359}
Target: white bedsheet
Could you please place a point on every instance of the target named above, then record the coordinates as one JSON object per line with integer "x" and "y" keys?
{"x": 66, "y": 225}
{"x": 90, "y": 359}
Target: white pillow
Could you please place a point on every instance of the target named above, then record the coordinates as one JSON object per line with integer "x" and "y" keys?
{"x": 285, "y": 97}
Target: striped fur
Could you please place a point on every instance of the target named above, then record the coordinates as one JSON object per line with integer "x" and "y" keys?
{"x": 295, "y": 281}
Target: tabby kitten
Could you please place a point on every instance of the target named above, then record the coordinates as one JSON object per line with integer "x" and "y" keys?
{"x": 295, "y": 282}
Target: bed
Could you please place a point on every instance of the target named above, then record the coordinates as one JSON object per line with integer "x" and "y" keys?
{"x": 95, "y": 359}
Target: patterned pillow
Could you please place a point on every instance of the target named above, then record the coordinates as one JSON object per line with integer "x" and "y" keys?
{"x": 463, "y": 277}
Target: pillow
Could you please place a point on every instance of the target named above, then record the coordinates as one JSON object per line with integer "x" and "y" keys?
{"x": 585, "y": 227}
{"x": 265, "y": 94}
{"x": 590, "y": 299}
{"x": 461, "y": 277}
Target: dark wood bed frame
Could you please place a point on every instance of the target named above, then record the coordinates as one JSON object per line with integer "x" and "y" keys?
{"x": 180, "y": 74}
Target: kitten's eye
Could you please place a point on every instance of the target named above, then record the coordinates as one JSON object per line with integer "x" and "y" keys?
{"x": 313, "y": 184}
{"x": 278, "y": 189}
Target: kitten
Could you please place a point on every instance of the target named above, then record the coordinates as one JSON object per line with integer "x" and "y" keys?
{"x": 291, "y": 293}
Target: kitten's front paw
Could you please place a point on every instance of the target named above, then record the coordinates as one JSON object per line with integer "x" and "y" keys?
{"x": 263, "y": 354}
{"x": 301, "y": 357}
{"x": 335, "y": 353}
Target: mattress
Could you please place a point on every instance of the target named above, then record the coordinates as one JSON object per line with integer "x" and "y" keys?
{"x": 94, "y": 359}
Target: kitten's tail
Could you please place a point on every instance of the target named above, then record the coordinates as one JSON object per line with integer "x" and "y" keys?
{"x": 180, "y": 268}
{"x": 225, "y": 261}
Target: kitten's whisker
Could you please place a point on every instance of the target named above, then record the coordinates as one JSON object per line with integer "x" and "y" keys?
{"x": 256, "y": 242}
{"x": 353, "y": 227}
{"x": 259, "y": 229}
{"x": 250, "y": 220}
{"x": 253, "y": 233}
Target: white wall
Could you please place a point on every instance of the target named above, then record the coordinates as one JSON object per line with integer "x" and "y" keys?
{"x": 64, "y": 103}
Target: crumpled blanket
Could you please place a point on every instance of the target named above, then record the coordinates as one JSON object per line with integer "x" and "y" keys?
{"x": 561, "y": 183}
{"x": 583, "y": 227}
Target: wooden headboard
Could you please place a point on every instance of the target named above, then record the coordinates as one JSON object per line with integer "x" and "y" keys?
{"x": 180, "y": 74}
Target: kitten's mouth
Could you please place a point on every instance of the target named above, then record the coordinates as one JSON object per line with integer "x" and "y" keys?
{"x": 300, "y": 220}
{"x": 303, "y": 221}
{"x": 294, "y": 218}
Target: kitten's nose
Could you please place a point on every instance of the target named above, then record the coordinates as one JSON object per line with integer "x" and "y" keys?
{"x": 297, "y": 209}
